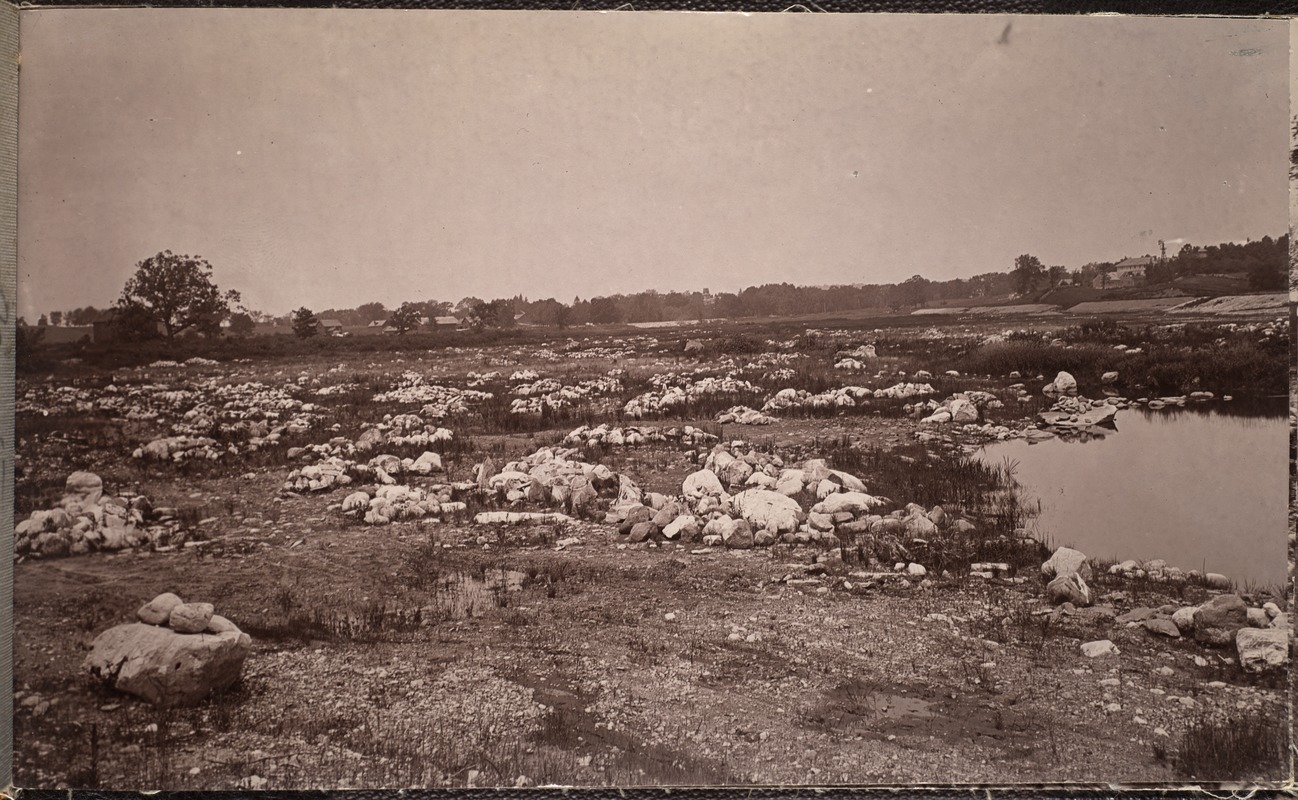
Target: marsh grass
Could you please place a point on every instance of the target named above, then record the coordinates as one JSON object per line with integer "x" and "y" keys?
{"x": 1239, "y": 746}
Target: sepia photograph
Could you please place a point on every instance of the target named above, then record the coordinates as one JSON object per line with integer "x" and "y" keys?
{"x": 452, "y": 399}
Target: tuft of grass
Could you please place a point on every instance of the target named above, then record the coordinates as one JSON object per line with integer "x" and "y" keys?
{"x": 1239, "y": 747}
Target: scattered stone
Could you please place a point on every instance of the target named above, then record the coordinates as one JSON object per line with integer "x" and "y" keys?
{"x": 1216, "y": 621}
{"x": 1103, "y": 647}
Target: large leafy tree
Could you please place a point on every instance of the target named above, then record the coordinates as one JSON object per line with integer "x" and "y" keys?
{"x": 405, "y": 318}
{"x": 177, "y": 293}
{"x": 485, "y": 315}
{"x": 1027, "y": 274}
{"x": 305, "y": 324}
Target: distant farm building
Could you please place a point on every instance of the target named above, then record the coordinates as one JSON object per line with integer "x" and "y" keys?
{"x": 332, "y": 327}
{"x": 1126, "y": 273}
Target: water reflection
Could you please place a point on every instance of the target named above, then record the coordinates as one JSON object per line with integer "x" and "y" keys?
{"x": 1202, "y": 487}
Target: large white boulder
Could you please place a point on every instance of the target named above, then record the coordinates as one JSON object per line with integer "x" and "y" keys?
{"x": 167, "y": 668}
{"x": 702, "y": 483}
{"x": 1261, "y": 649}
{"x": 851, "y": 502}
{"x": 767, "y": 510}
{"x": 1066, "y": 561}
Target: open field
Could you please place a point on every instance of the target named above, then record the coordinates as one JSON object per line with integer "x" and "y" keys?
{"x": 405, "y": 638}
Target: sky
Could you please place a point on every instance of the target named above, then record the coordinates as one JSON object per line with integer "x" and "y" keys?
{"x": 329, "y": 158}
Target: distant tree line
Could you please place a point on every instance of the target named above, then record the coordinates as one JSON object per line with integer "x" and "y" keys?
{"x": 171, "y": 295}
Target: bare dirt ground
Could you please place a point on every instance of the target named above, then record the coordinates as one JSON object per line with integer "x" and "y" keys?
{"x": 445, "y": 653}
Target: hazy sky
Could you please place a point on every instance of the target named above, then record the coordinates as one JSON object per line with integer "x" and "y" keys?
{"x": 328, "y": 158}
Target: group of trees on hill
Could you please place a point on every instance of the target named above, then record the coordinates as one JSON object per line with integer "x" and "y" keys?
{"x": 171, "y": 295}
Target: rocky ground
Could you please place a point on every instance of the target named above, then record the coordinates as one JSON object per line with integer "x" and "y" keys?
{"x": 440, "y": 652}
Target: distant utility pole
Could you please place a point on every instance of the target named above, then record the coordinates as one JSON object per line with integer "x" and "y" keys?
{"x": 1162, "y": 248}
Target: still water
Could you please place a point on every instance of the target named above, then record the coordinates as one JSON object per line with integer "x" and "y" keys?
{"x": 1203, "y": 489}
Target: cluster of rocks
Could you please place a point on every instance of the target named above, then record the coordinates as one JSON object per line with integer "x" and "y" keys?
{"x": 1064, "y": 383}
{"x": 87, "y": 520}
{"x": 438, "y": 401}
{"x": 1177, "y": 401}
{"x": 1260, "y": 635}
{"x": 554, "y": 477}
{"x": 906, "y": 390}
{"x": 333, "y": 472}
{"x": 175, "y": 449}
{"x": 1158, "y": 571}
{"x": 674, "y": 392}
{"x": 962, "y": 408}
{"x": 865, "y": 351}
{"x": 196, "y": 361}
{"x": 393, "y": 503}
{"x": 400, "y": 430}
{"x": 636, "y": 435}
{"x": 843, "y": 397}
{"x": 247, "y": 416}
{"x": 743, "y": 499}
{"x": 551, "y": 395}
{"x": 177, "y": 654}
{"x": 850, "y": 364}
{"x": 1075, "y": 413}
{"x": 743, "y": 415}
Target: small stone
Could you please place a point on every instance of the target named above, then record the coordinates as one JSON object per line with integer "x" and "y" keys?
{"x": 1103, "y": 647}
{"x": 158, "y": 610}
{"x": 191, "y": 617}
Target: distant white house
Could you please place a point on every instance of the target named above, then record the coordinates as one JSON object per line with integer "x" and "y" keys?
{"x": 1126, "y": 273}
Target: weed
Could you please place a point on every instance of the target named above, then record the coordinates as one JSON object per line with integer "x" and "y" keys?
{"x": 1237, "y": 747}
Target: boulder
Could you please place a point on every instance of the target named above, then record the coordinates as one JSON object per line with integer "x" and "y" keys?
{"x": 82, "y": 489}
{"x": 634, "y": 516}
{"x": 158, "y": 610}
{"x": 963, "y": 412}
{"x": 1064, "y": 383}
{"x": 164, "y": 667}
{"x": 1109, "y": 377}
{"x": 849, "y": 481}
{"x": 667, "y": 514}
{"x": 1068, "y": 589}
{"x": 1257, "y": 618}
{"x": 685, "y": 527}
{"x": 356, "y": 502}
{"x": 1163, "y": 626}
{"x": 1183, "y": 618}
{"x": 919, "y": 526}
{"x": 768, "y": 510}
{"x": 1066, "y": 561}
{"x": 641, "y": 531}
{"x": 427, "y": 464}
{"x": 1260, "y": 650}
{"x": 1215, "y": 580}
{"x": 736, "y": 472}
{"x": 1216, "y": 621}
{"x": 790, "y": 482}
{"x": 1096, "y": 649}
{"x": 737, "y": 534}
{"x": 850, "y": 502}
{"x": 190, "y": 617}
{"x": 702, "y": 483}
{"x": 815, "y": 470}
